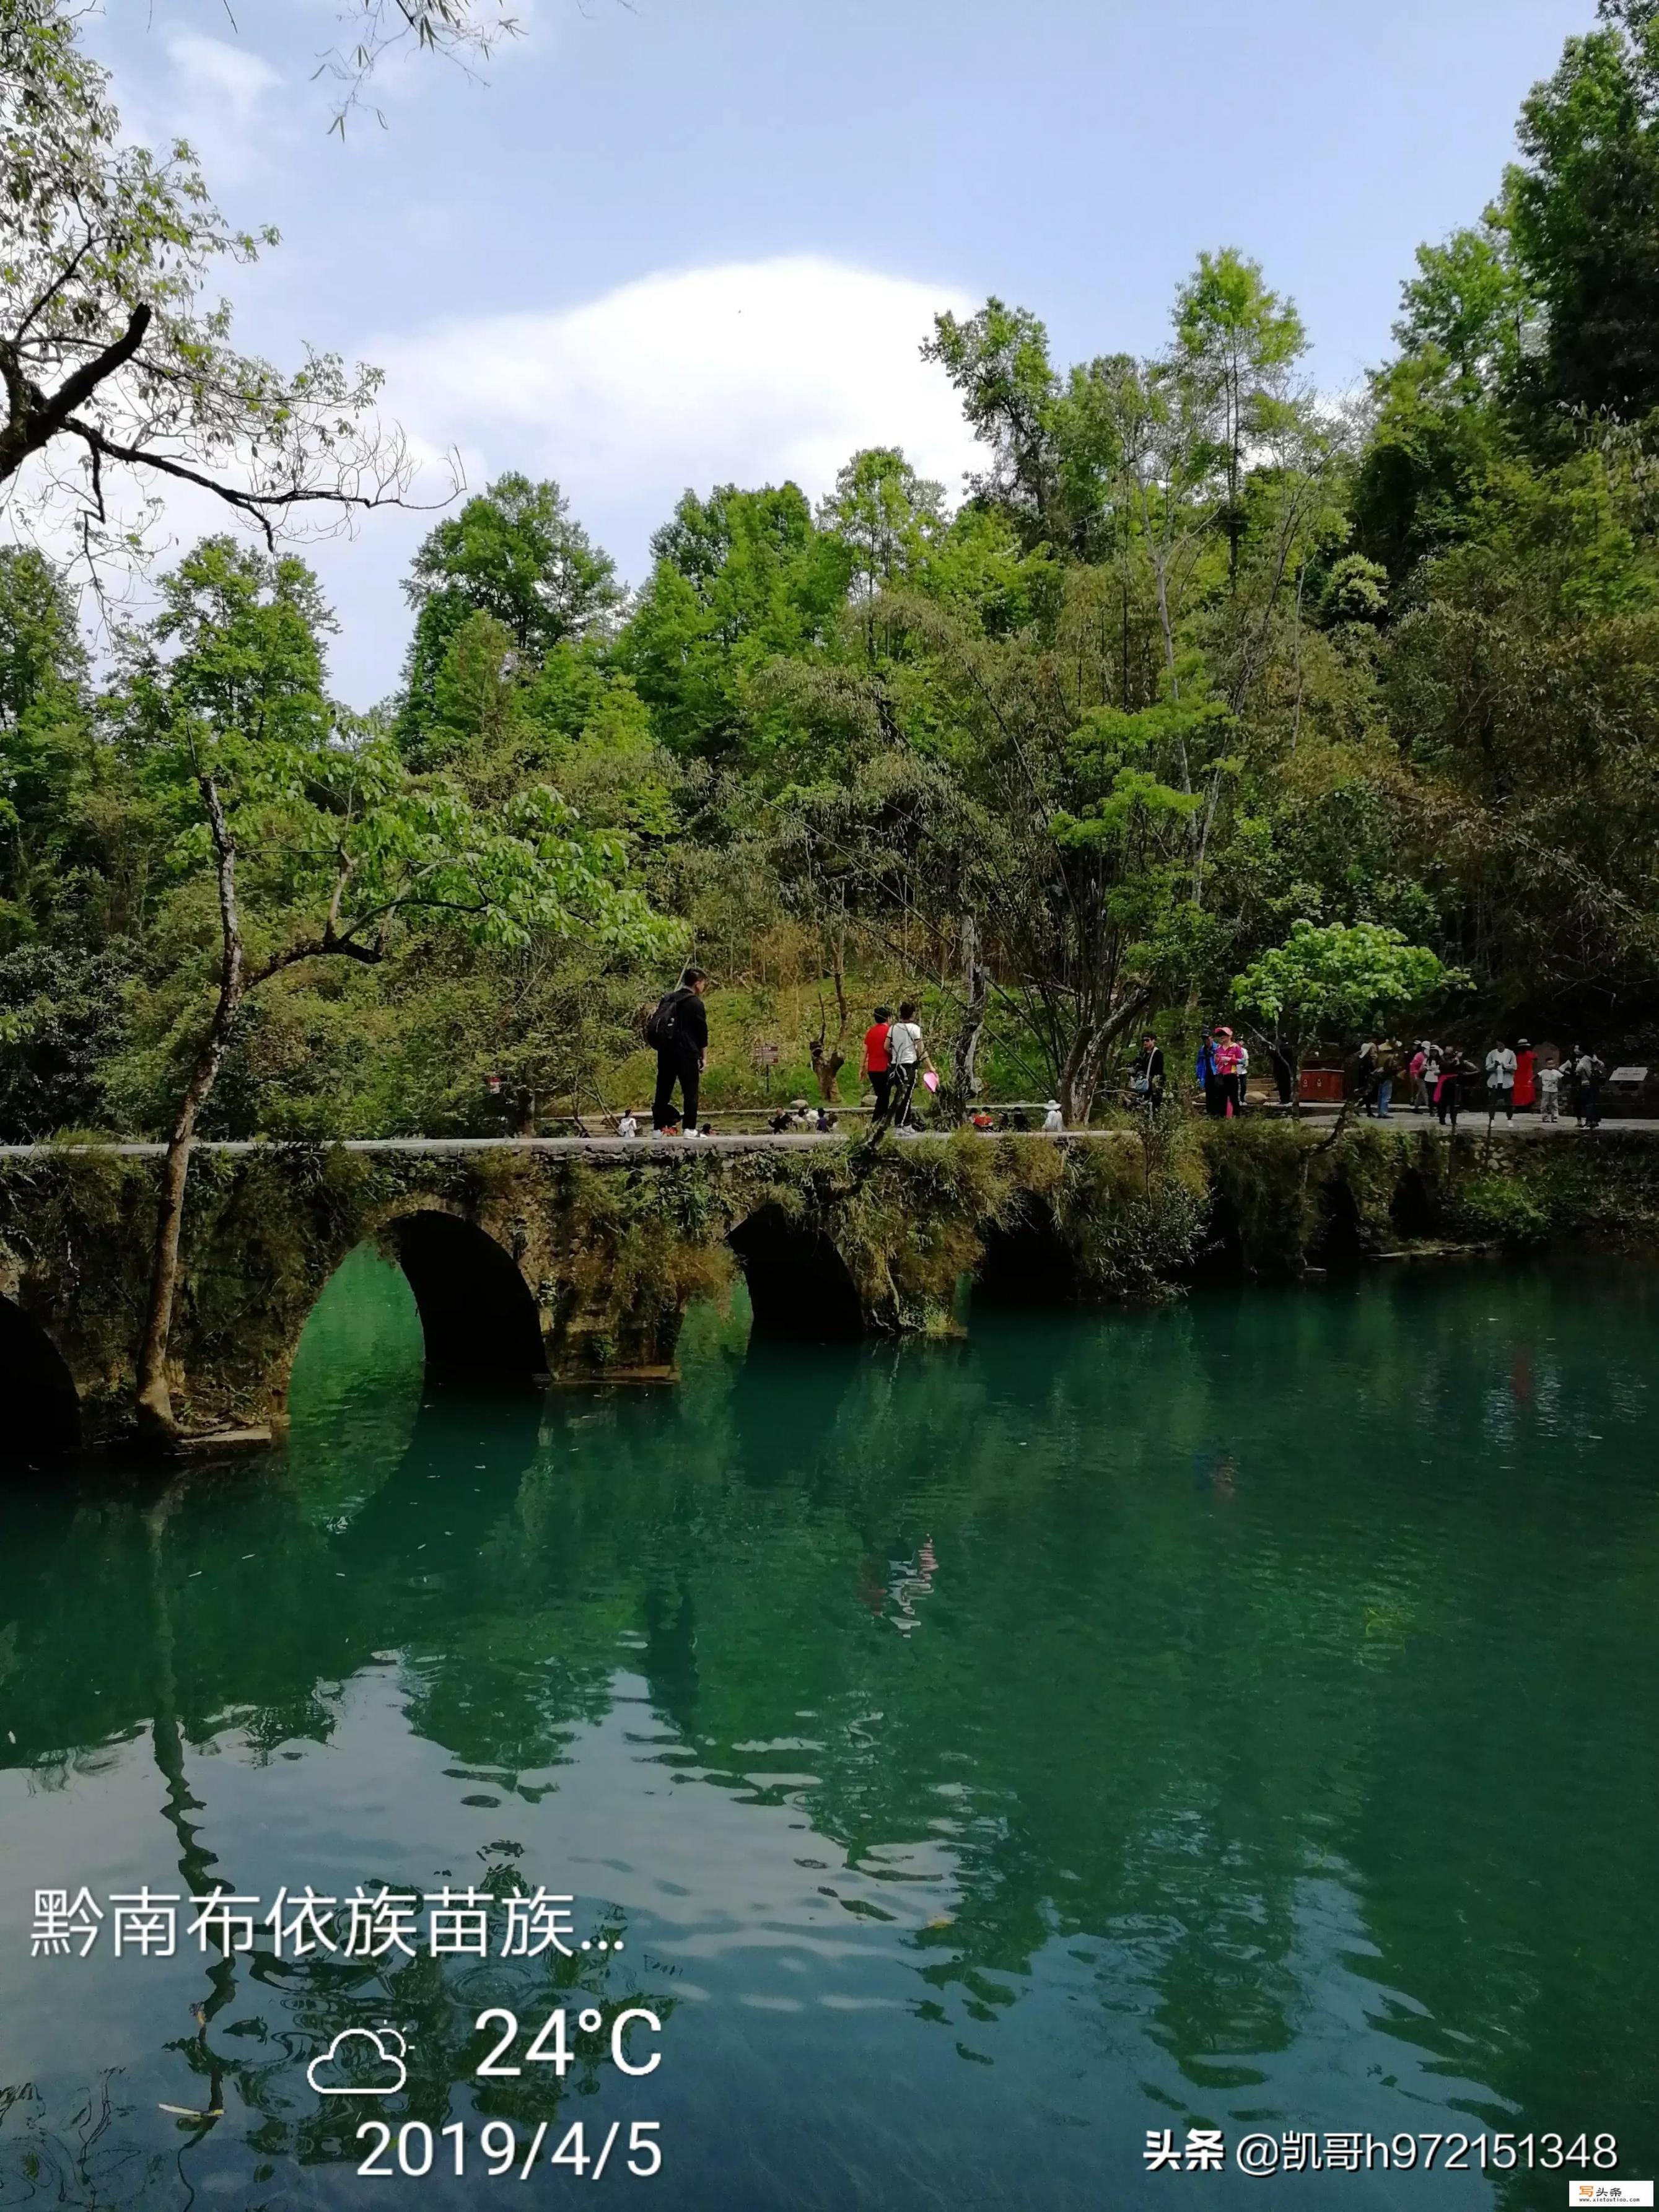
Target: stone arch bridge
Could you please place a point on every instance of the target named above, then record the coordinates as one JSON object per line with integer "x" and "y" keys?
{"x": 548, "y": 1259}
{"x": 563, "y": 1260}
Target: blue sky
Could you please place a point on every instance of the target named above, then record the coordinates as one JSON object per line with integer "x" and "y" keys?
{"x": 679, "y": 241}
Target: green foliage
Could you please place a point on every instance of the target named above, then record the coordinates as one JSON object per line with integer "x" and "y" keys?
{"x": 740, "y": 579}
{"x": 63, "y": 1018}
{"x": 1207, "y": 687}
{"x": 495, "y": 589}
{"x": 1343, "y": 977}
{"x": 1583, "y": 209}
{"x": 117, "y": 364}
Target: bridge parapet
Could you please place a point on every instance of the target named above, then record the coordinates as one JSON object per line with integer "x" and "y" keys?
{"x": 563, "y": 1262}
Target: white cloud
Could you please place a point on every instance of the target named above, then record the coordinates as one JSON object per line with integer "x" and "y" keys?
{"x": 749, "y": 373}
{"x": 216, "y": 100}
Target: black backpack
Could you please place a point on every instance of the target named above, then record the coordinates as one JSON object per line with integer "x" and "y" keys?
{"x": 661, "y": 1024}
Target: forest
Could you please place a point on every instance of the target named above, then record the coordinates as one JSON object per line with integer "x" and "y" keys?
{"x": 1211, "y": 695}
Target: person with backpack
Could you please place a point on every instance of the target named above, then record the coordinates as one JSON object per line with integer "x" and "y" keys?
{"x": 906, "y": 1056}
{"x": 678, "y": 1029}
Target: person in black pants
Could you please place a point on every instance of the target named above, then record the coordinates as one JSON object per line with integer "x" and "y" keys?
{"x": 682, "y": 1046}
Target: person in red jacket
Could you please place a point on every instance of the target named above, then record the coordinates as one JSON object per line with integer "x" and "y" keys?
{"x": 877, "y": 1072}
{"x": 1525, "y": 1074}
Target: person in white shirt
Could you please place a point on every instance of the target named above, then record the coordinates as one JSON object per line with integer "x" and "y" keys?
{"x": 1500, "y": 1083}
{"x": 1053, "y": 1120}
{"x": 906, "y": 1056}
{"x": 629, "y": 1124}
{"x": 1549, "y": 1096}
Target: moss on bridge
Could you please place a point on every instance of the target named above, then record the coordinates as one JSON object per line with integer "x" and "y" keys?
{"x": 594, "y": 1258}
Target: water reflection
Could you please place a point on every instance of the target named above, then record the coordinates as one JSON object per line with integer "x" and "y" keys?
{"x": 1240, "y": 1714}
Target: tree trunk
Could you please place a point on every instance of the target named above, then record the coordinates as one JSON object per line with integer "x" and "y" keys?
{"x": 960, "y": 1091}
{"x": 1079, "y": 1077}
{"x": 829, "y": 1060}
{"x": 156, "y": 1421}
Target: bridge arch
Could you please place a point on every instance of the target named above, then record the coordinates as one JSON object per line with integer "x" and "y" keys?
{"x": 799, "y": 1285}
{"x": 478, "y": 1315}
{"x": 1025, "y": 1260}
{"x": 39, "y": 1406}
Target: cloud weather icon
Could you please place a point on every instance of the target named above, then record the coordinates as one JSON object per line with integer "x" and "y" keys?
{"x": 378, "y": 2039}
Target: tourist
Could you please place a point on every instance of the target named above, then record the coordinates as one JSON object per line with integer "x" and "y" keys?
{"x": 1241, "y": 1072}
{"x": 826, "y": 1121}
{"x": 1146, "y": 1081}
{"x": 906, "y": 1056}
{"x": 877, "y": 1071}
{"x": 1209, "y": 1074}
{"x": 1365, "y": 1078}
{"x": 982, "y": 1120}
{"x": 1417, "y": 1068}
{"x": 679, "y": 1030}
{"x": 1526, "y": 1076}
{"x": 1455, "y": 1072}
{"x": 1588, "y": 1073}
{"x": 1549, "y": 1096}
{"x": 1500, "y": 1082}
{"x": 1053, "y": 1121}
{"x": 1228, "y": 1055}
{"x": 1430, "y": 1076}
{"x": 1388, "y": 1071}
{"x": 629, "y": 1126}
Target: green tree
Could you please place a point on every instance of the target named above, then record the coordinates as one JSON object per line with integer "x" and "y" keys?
{"x": 44, "y": 735}
{"x": 997, "y": 360}
{"x": 738, "y": 579}
{"x": 1240, "y": 342}
{"x": 1583, "y": 209}
{"x": 316, "y": 842}
{"x": 112, "y": 360}
{"x": 1342, "y": 976}
{"x": 514, "y": 555}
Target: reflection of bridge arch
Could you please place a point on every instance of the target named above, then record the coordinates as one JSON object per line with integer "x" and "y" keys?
{"x": 39, "y": 1408}
{"x": 799, "y": 1285}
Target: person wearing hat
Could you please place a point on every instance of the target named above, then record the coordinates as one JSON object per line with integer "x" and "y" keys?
{"x": 1228, "y": 1057}
{"x": 1217, "y": 1091}
{"x": 1053, "y": 1120}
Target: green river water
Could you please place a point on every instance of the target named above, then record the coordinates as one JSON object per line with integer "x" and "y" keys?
{"x": 1242, "y": 1717}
